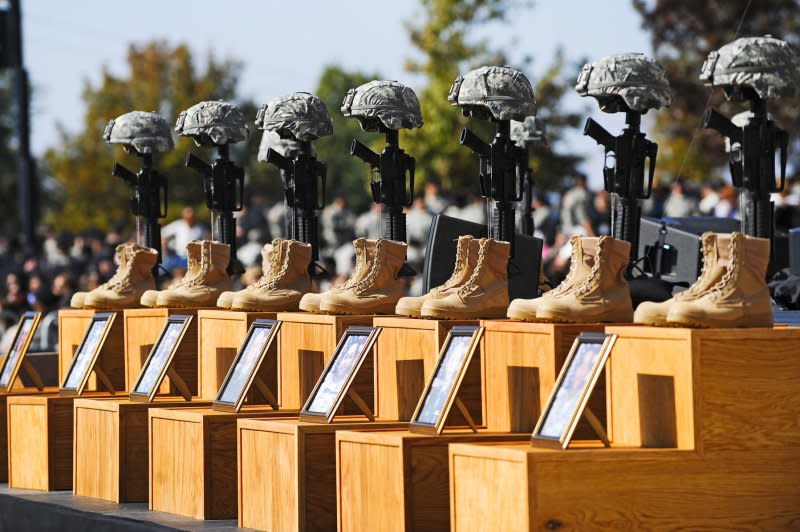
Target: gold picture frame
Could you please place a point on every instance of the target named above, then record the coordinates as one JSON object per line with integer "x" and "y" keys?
{"x": 83, "y": 363}
{"x": 159, "y": 361}
{"x": 337, "y": 378}
{"x": 244, "y": 368}
{"x": 573, "y": 387}
{"x": 441, "y": 390}
{"x": 15, "y": 359}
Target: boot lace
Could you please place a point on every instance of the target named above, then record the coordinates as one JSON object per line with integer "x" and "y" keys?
{"x": 373, "y": 272}
{"x": 119, "y": 280}
{"x": 697, "y": 287}
{"x": 729, "y": 278}
{"x": 472, "y": 283}
{"x": 205, "y": 260}
{"x": 461, "y": 252}
{"x": 272, "y": 281}
{"x": 361, "y": 261}
{"x": 573, "y": 268}
{"x": 589, "y": 282}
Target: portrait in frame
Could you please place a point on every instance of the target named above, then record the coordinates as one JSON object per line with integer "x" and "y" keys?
{"x": 19, "y": 347}
{"x": 160, "y": 358}
{"x": 88, "y": 351}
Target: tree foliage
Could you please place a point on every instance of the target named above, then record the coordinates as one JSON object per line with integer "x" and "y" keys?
{"x": 682, "y": 33}
{"x": 162, "y": 78}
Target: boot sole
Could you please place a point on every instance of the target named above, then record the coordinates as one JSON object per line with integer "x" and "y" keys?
{"x": 338, "y": 310}
{"x": 752, "y": 323}
{"x": 499, "y": 313}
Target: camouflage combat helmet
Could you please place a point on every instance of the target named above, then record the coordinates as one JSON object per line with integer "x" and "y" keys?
{"x": 768, "y": 66}
{"x": 299, "y": 116}
{"x": 495, "y": 92}
{"x": 633, "y": 79}
{"x": 530, "y": 131}
{"x": 287, "y": 147}
{"x": 212, "y": 122}
{"x": 383, "y": 102}
{"x": 140, "y": 131}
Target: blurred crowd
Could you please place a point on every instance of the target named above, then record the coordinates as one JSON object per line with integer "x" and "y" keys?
{"x": 45, "y": 281}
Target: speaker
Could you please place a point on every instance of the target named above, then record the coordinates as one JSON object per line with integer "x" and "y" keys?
{"x": 671, "y": 246}
{"x": 440, "y": 256}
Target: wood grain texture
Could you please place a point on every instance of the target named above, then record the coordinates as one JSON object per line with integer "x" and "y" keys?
{"x": 305, "y": 344}
{"x": 220, "y": 333}
{"x": 398, "y": 480}
{"x": 287, "y": 472}
{"x": 193, "y": 468}
{"x": 72, "y": 324}
{"x": 405, "y": 355}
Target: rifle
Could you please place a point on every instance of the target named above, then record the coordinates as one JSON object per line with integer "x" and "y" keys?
{"x": 502, "y": 167}
{"x": 528, "y": 226}
{"x": 148, "y": 201}
{"x": 624, "y": 174}
{"x": 752, "y": 163}
{"x": 392, "y": 182}
{"x": 223, "y": 184}
{"x": 304, "y": 181}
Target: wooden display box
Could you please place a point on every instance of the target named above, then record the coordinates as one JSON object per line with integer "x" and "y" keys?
{"x": 305, "y": 344}
{"x": 703, "y": 436}
{"x": 287, "y": 472}
{"x": 398, "y": 481}
{"x": 110, "y": 458}
{"x": 193, "y": 460}
{"x": 521, "y": 362}
{"x": 142, "y": 329}
{"x": 40, "y": 429}
{"x": 4, "y": 425}
{"x": 220, "y": 333}
{"x": 72, "y": 324}
{"x": 405, "y": 357}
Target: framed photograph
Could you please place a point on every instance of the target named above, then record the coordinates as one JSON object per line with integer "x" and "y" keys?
{"x": 337, "y": 377}
{"x": 160, "y": 358}
{"x": 441, "y": 390}
{"x": 245, "y": 365}
{"x": 26, "y": 328}
{"x": 572, "y": 389}
{"x": 86, "y": 356}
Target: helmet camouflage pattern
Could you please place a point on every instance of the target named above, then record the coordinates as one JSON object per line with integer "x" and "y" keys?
{"x": 495, "y": 92}
{"x": 287, "y": 147}
{"x": 768, "y": 66}
{"x": 299, "y": 116}
{"x": 633, "y": 79}
{"x": 213, "y": 122}
{"x": 140, "y": 131}
{"x": 389, "y": 103}
{"x": 529, "y": 132}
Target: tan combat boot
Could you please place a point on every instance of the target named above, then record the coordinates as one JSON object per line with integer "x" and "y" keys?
{"x": 715, "y": 253}
{"x": 412, "y": 306}
{"x": 271, "y": 258}
{"x": 584, "y": 250}
{"x": 484, "y": 295}
{"x": 378, "y": 290}
{"x": 365, "y": 254}
{"x": 150, "y": 297}
{"x": 204, "y": 287}
{"x": 134, "y": 275}
{"x": 286, "y": 285}
{"x": 603, "y": 296}
{"x": 77, "y": 299}
{"x": 740, "y": 298}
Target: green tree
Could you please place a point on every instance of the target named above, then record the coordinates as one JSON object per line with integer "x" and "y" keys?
{"x": 682, "y": 33}
{"x": 347, "y": 175}
{"x": 164, "y": 78}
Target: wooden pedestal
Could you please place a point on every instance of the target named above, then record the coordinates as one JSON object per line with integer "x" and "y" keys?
{"x": 287, "y": 472}
{"x": 397, "y": 481}
{"x": 4, "y": 426}
{"x": 193, "y": 460}
{"x": 142, "y": 329}
{"x": 704, "y": 436}
{"x": 405, "y": 357}
{"x": 521, "y": 362}
{"x": 72, "y": 324}
{"x": 305, "y": 344}
{"x": 110, "y": 458}
{"x": 40, "y": 429}
{"x": 220, "y": 335}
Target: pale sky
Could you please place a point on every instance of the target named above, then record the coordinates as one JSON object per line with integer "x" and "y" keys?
{"x": 285, "y": 45}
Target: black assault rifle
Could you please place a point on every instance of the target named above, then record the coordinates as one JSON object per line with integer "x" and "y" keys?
{"x": 148, "y": 200}
{"x": 627, "y": 155}
{"x": 223, "y": 184}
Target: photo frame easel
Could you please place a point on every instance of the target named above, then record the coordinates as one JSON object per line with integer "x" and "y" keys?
{"x": 16, "y": 358}
{"x": 85, "y": 360}
{"x": 159, "y": 363}
{"x": 336, "y": 381}
{"x": 573, "y": 387}
{"x": 243, "y": 372}
{"x": 441, "y": 391}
